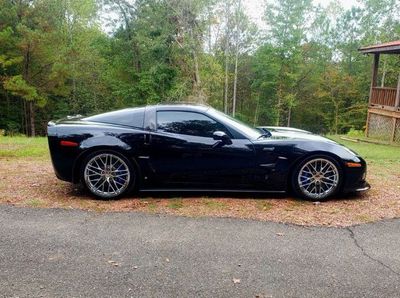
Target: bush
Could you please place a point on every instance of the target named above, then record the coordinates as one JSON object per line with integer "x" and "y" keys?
{"x": 356, "y": 133}
{"x": 12, "y": 129}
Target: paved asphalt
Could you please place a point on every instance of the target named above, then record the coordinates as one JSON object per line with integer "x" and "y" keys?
{"x": 68, "y": 253}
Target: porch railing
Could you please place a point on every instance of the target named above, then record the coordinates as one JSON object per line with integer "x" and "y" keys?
{"x": 383, "y": 96}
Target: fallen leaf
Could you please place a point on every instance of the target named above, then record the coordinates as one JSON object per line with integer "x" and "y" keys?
{"x": 114, "y": 263}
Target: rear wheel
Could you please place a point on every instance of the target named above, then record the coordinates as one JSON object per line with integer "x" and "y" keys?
{"x": 317, "y": 178}
{"x": 108, "y": 175}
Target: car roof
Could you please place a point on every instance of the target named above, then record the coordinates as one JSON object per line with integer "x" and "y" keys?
{"x": 181, "y": 106}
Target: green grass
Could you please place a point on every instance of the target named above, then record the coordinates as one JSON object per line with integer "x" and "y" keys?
{"x": 175, "y": 204}
{"x": 214, "y": 205}
{"x": 372, "y": 152}
{"x": 152, "y": 206}
{"x": 23, "y": 147}
{"x": 35, "y": 203}
{"x": 264, "y": 205}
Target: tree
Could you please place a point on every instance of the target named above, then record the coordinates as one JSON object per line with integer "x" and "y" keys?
{"x": 288, "y": 21}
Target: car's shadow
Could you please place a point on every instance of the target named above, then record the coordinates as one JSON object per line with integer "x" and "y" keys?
{"x": 79, "y": 191}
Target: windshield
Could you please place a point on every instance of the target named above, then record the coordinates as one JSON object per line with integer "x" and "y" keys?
{"x": 249, "y": 131}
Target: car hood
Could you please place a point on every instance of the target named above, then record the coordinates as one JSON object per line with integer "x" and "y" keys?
{"x": 309, "y": 142}
{"x": 295, "y": 135}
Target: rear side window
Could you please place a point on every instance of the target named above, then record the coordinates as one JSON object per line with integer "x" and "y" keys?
{"x": 188, "y": 123}
{"x": 127, "y": 117}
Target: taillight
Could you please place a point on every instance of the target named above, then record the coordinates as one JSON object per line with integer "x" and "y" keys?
{"x": 69, "y": 144}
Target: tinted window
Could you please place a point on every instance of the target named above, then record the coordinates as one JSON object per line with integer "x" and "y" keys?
{"x": 129, "y": 117}
{"x": 188, "y": 123}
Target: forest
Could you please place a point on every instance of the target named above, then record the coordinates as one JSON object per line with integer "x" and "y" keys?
{"x": 299, "y": 66}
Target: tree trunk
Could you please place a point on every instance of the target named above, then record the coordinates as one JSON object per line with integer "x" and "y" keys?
{"x": 235, "y": 82}
{"x": 24, "y": 118}
{"x": 238, "y": 8}
{"x": 226, "y": 51}
{"x": 255, "y": 122}
{"x": 279, "y": 93}
{"x": 138, "y": 63}
{"x": 289, "y": 115}
{"x": 383, "y": 74}
{"x": 32, "y": 119}
{"x": 28, "y": 111}
{"x": 196, "y": 71}
{"x": 75, "y": 105}
{"x": 336, "y": 118}
{"x": 226, "y": 80}
{"x": 209, "y": 28}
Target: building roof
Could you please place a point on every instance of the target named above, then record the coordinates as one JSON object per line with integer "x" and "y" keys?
{"x": 392, "y": 47}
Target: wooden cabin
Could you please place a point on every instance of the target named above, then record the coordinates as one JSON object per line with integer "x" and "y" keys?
{"x": 383, "y": 121}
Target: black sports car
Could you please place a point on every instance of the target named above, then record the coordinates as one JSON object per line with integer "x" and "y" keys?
{"x": 197, "y": 148}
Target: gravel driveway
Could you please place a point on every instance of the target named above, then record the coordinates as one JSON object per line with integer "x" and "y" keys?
{"x": 65, "y": 253}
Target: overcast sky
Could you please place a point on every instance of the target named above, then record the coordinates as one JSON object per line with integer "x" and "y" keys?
{"x": 255, "y": 8}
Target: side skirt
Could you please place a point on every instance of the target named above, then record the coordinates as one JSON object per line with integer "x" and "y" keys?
{"x": 210, "y": 190}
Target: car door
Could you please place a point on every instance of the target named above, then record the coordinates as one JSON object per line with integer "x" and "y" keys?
{"x": 183, "y": 153}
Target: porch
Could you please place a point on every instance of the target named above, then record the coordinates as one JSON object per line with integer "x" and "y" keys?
{"x": 383, "y": 121}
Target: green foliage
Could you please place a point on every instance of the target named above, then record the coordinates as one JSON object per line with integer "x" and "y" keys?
{"x": 305, "y": 71}
{"x": 356, "y": 133}
{"x": 16, "y": 85}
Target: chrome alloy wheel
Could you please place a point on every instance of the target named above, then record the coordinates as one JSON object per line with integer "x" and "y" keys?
{"x": 107, "y": 175}
{"x": 318, "y": 178}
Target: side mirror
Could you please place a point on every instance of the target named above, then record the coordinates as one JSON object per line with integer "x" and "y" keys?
{"x": 223, "y": 137}
{"x": 266, "y": 132}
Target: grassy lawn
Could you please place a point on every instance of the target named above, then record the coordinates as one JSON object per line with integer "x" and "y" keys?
{"x": 372, "y": 152}
{"x": 24, "y": 147}
{"x": 30, "y": 182}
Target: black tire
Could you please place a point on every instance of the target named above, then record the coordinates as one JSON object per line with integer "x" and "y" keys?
{"x": 114, "y": 186}
{"x": 325, "y": 185}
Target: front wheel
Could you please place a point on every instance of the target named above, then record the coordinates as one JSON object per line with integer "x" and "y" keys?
{"x": 317, "y": 178}
{"x": 107, "y": 175}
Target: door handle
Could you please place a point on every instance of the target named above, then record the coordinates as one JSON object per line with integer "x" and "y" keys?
{"x": 268, "y": 148}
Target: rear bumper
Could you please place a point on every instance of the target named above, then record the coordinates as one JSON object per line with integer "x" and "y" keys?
{"x": 62, "y": 159}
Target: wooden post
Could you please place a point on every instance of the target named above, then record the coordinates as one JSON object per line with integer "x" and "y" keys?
{"x": 393, "y": 129}
{"x": 367, "y": 125}
{"x": 375, "y": 67}
{"x": 397, "y": 103}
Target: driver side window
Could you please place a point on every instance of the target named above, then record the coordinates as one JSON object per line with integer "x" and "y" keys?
{"x": 188, "y": 123}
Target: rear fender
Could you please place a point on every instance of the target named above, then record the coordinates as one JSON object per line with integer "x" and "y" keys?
{"x": 106, "y": 141}
{"x": 102, "y": 143}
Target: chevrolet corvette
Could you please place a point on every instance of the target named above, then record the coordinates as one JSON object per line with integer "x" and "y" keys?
{"x": 186, "y": 147}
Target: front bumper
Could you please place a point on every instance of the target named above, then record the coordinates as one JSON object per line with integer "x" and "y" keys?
{"x": 355, "y": 178}
{"x": 364, "y": 187}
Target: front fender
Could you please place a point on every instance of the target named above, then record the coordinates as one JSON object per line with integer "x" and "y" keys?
{"x": 332, "y": 148}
